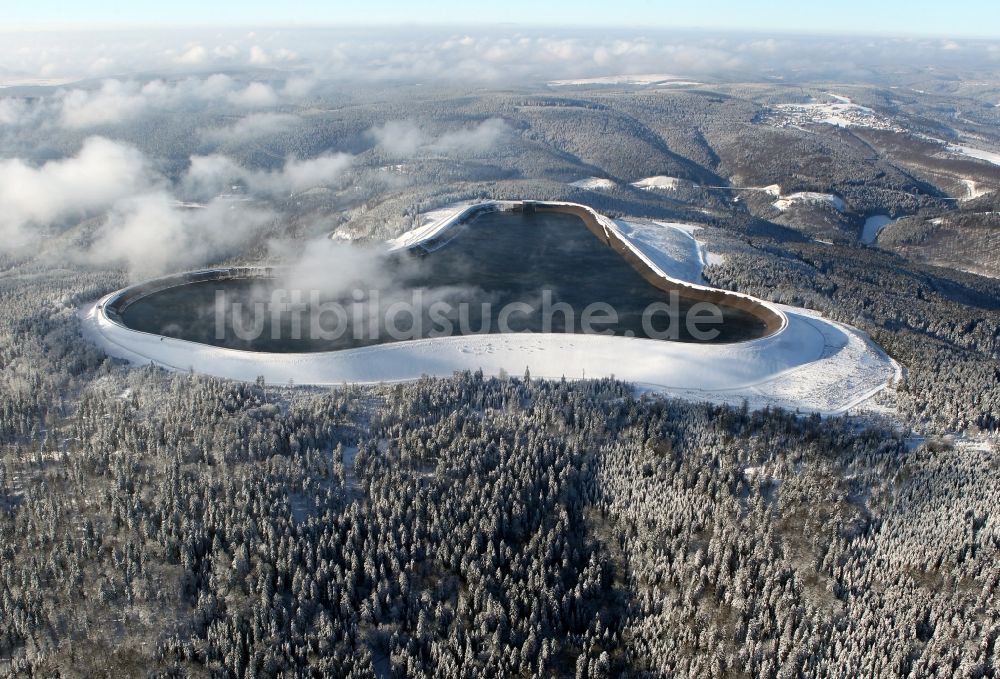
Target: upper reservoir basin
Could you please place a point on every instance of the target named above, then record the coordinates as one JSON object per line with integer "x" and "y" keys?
{"x": 511, "y": 271}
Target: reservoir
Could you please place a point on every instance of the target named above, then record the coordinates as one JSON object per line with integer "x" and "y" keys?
{"x": 521, "y": 271}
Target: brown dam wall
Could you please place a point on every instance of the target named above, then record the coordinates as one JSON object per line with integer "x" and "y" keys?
{"x": 770, "y": 317}
{"x": 773, "y": 320}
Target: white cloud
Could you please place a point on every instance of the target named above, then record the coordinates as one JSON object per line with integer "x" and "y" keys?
{"x": 32, "y": 198}
{"x": 113, "y": 102}
{"x": 405, "y": 138}
{"x": 144, "y": 228}
{"x": 151, "y": 234}
{"x": 254, "y": 126}
{"x": 300, "y": 175}
{"x": 196, "y": 54}
{"x": 101, "y": 65}
{"x": 15, "y": 111}
{"x": 505, "y": 55}
{"x": 261, "y": 57}
{"x": 298, "y": 87}
{"x": 472, "y": 140}
{"x": 213, "y": 175}
{"x": 401, "y": 138}
{"x": 254, "y": 95}
{"x": 116, "y": 101}
{"x": 309, "y": 265}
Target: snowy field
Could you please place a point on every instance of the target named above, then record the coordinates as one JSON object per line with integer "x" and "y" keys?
{"x": 593, "y": 184}
{"x": 991, "y": 157}
{"x": 811, "y": 364}
{"x": 661, "y": 182}
{"x": 974, "y": 190}
{"x": 978, "y": 154}
{"x": 873, "y": 227}
{"x": 785, "y": 202}
{"x": 640, "y": 79}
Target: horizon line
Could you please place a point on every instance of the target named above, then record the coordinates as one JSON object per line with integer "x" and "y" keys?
{"x": 78, "y": 27}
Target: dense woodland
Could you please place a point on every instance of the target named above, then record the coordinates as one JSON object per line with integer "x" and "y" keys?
{"x": 177, "y": 525}
{"x": 942, "y": 325}
{"x": 486, "y": 527}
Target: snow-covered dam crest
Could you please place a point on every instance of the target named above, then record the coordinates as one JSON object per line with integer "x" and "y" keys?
{"x": 801, "y": 360}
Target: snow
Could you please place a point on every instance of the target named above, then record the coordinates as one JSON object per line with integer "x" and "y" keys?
{"x": 38, "y": 82}
{"x": 641, "y": 79}
{"x": 593, "y": 183}
{"x": 964, "y": 150}
{"x": 810, "y": 364}
{"x": 671, "y": 246}
{"x": 873, "y": 226}
{"x": 432, "y": 223}
{"x": 657, "y": 182}
{"x": 785, "y": 202}
{"x": 975, "y": 190}
{"x": 979, "y": 154}
{"x": 841, "y": 112}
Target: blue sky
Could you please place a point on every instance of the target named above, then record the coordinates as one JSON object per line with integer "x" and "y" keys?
{"x": 960, "y": 18}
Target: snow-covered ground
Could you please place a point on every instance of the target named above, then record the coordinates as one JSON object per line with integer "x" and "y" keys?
{"x": 671, "y": 246}
{"x": 430, "y": 224}
{"x": 593, "y": 183}
{"x": 963, "y": 149}
{"x": 660, "y": 181}
{"x": 810, "y": 364}
{"x": 873, "y": 226}
{"x": 640, "y": 79}
{"x": 841, "y": 112}
{"x": 974, "y": 190}
{"x": 979, "y": 154}
{"x": 785, "y": 202}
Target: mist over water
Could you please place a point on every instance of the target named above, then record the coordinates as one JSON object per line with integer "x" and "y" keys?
{"x": 500, "y": 272}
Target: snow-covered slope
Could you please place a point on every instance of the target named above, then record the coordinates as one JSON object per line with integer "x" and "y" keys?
{"x": 671, "y": 246}
{"x": 803, "y": 197}
{"x": 873, "y": 227}
{"x": 660, "y": 181}
{"x": 640, "y": 79}
{"x": 811, "y": 364}
{"x": 593, "y": 184}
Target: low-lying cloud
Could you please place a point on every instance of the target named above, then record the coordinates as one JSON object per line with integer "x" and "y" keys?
{"x": 32, "y": 198}
{"x": 406, "y": 138}
{"x": 115, "y": 101}
{"x": 254, "y": 95}
{"x": 254, "y": 126}
{"x": 151, "y": 234}
{"x": 142, "y": 224}
{"x": 500, "y": 55}
{"x": 212, "y": 175}
{"x": 309, "y": 265}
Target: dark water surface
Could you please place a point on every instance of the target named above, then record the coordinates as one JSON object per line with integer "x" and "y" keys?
{"x": 544, "y": 260}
